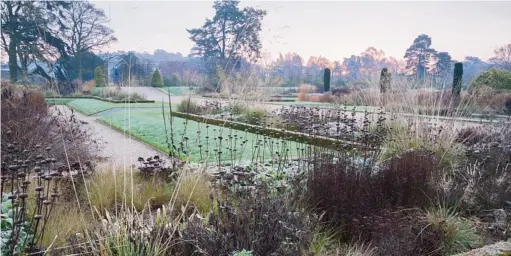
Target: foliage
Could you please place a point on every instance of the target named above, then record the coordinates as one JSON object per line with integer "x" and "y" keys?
{"x": 190, "y": 107}
{"x": 254, "y": 116}
{"x": 68, "y": 69}
{"x": 347, "y": 192}
{"x": 109, "y": 187}
{"x": 231, "y": 35}
{"x": 22, "y": 25}
{"x": 25, "y": 235}
{"x": 460, "y": 235}
{"x": 99, "y": 77}
{"x": 27, "y": 120}
{"x": 263, "y": 224}
{"x": 326, "y": 80}
{"x": 193, "y": 190}
{"x": 418, "y": 56}
{"x": 493, "y": 78}
{"x": 385, "y": 80}
{"x": 484, "y": 182}
{"x": 156, "y": 79}
{"x": 443, "y": 64}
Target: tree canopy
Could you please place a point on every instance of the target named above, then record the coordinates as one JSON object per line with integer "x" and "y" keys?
{"x": 418, "y": 56}
{"x": 156, "y": 79}
{"x": 232, "y": 34}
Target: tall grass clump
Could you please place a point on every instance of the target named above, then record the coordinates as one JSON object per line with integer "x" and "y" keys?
{"x": 110, "y": 188}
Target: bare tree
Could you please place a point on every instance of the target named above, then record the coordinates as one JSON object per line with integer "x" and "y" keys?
{"x": 502, "y": 57}
{"x": 88, "y": 31}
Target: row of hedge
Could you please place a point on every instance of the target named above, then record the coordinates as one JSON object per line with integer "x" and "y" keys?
{"x": 99, "y": 98}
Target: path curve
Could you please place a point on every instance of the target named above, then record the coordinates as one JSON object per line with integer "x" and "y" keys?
{"x": 120, "y": 149}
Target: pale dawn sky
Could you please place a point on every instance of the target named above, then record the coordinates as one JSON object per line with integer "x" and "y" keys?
{"x": 333, "y": 29}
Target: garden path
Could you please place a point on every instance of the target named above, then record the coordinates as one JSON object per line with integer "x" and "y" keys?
{"x": 120, "y": 149}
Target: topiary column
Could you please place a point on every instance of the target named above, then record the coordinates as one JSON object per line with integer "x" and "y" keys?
{"x": 99, "y": 77}
{"x": 457, "y": 79}
{"x": 385, "y": 79}
{"x": 326, "y": 80}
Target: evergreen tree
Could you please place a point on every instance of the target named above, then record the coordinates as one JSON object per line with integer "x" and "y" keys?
{"x": 418, "y": 56}
{"x": 99, "y": 77}
{"x": 156, "y": 79}
{"x": 457, "y": 79}
{"x": 385, "y": 80}
{"x": 326, "y": 79}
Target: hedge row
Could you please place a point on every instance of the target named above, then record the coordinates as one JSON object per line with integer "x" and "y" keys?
{"x": 102, "y": 99}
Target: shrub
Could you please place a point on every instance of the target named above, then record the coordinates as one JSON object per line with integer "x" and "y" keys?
{"x": 402, "y": 136}
{"x": 190, "y": 107}
{"x": 259, "y": 223}
{"x": 156, "y": 79}
{"x": 493, "y": 78}
{"x": 99, "y": 77}
{"x": 28, "y": 121}
{"x": 385, "y": 80}
{"x": 484, "y": 181}
{"x": 304, "y": 90}
{"x": 348, "y": 193}
{"x": 254, "y": 116}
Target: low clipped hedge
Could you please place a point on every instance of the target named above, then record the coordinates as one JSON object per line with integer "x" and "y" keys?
{"x": 98, "y": 98}
{"x": 274, "y": 133}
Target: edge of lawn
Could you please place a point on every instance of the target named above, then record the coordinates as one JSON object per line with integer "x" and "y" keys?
{"x": 139, "y": 138}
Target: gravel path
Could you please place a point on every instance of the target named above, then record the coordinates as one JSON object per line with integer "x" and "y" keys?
{"x": 120, "y": 149}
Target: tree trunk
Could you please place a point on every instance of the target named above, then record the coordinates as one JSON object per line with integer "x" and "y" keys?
{"x": 79, "y": 65}
{"x": 13, "y": 61}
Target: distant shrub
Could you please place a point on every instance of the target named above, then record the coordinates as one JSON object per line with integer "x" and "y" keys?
{"x": 156, "y": 79}
{"x": 254, "y": 116}
{"x": 99, "y": 77}
{"x": 189, "y": 106}
{"x": 494, "y": 78}
{"x": 304, "y": 90}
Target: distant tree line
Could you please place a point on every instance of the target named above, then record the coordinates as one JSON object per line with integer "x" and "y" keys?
{"x": 59, "y": 41}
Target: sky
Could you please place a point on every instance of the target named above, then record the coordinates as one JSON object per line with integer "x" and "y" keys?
{"x": 332, "y": 29}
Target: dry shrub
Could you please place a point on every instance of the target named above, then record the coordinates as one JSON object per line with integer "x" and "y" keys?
{"x": 304, "y": 90}
{"x": 485, "y": 181}
{"x": 28, "y": 121}
{"x": 348, "y": 194}
{"x": 263, "y": 224}
{"x": 87, "y": 86}
{"x": 490, "y": 99}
